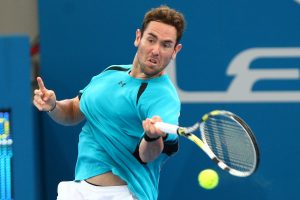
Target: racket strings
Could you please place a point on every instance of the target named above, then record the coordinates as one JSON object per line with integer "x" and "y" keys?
{"x": 237, "y": 163}
{"x": 229, "y": 155}
{"x": 229, "y": 142}
{"x": 225, "y": 124}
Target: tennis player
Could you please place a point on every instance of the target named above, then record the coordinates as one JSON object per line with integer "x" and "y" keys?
{"x": 120, "y": 152}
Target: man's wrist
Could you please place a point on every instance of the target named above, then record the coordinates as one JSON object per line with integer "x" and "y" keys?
{"x": 150, "y": 139}
{"x": 53, "y": 108}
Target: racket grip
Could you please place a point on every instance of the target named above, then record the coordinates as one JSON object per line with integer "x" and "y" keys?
{"x": 167, "y": 128}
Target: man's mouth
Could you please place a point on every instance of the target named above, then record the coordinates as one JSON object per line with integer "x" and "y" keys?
{"x": 153, "y": 61}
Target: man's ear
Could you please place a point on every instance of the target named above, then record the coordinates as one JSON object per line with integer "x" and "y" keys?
{"x": 176, "y": 50}
{"x": 138, "y": 36}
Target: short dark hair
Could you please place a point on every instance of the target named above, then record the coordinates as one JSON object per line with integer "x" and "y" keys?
{"x": 165, "y": 15}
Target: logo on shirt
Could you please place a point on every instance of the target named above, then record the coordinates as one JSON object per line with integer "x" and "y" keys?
{"x": 122, "y": 83}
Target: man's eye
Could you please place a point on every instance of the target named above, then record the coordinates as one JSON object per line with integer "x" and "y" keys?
{"x": 167, "y": 45}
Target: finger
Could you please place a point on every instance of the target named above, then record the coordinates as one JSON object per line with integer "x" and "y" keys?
{"x": 149, "y": 123}
{"x": 38, "y": 100}
{"x": 48, "y": 95}
{"x": 41, "y": 84}
{"x": 38, "y": 92}
{"x": 37, "y": 105}
{"x": 151, "y": 129}
{"x": 155, "y": 119}
{"x": 145, "y": 126}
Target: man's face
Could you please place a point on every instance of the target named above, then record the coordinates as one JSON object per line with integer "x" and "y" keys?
{"x": 156, "y": 47}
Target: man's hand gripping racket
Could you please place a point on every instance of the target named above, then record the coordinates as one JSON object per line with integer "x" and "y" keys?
{"x": 226, "y": 139}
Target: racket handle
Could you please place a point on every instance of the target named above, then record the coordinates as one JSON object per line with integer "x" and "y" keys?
{"x": 167, "y": 128}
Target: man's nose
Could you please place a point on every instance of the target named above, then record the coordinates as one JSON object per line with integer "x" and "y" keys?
{"x": 156, "y": 49}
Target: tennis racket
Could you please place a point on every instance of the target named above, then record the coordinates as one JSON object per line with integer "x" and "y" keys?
{"x": 226, "y": 139}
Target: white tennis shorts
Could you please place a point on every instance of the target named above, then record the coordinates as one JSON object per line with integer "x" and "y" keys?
{"x": 71, "y": 190}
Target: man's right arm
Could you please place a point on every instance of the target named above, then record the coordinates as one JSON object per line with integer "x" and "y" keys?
{"x": 65, "y": 112}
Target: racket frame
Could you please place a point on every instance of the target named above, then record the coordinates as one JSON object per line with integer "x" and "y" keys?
{"x": 187, "y": 132}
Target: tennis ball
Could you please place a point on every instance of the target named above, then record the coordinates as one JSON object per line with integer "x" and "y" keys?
{"x": 208, "y": 179}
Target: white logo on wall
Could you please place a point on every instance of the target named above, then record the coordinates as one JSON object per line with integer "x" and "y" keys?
{"x": 240, "y": 89}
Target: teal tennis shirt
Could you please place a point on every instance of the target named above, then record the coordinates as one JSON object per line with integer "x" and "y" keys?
{"x": 115, "y": 104}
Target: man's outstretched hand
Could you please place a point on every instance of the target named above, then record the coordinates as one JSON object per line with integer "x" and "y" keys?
{"x": 44, "y": 99}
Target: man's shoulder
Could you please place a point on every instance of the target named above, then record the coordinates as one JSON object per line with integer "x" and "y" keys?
{"x": 118, "y": 68}
{"x": 162, "y": 89}
{"x": 162, "y": 84}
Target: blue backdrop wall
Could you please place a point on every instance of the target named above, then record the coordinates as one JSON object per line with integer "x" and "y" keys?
{"x": 21, "y": 179}
{"x": 242, "y": 56}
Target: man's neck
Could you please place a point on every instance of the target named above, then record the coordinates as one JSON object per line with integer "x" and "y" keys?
{"x": 137, "y": 73}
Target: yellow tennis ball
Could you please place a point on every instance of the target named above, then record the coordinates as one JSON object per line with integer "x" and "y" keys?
{"x": 208, "y": 179}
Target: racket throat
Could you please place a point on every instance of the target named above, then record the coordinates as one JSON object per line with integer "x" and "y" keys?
{"x": 187, "y": 131}
{"x": 221, "y": 164}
